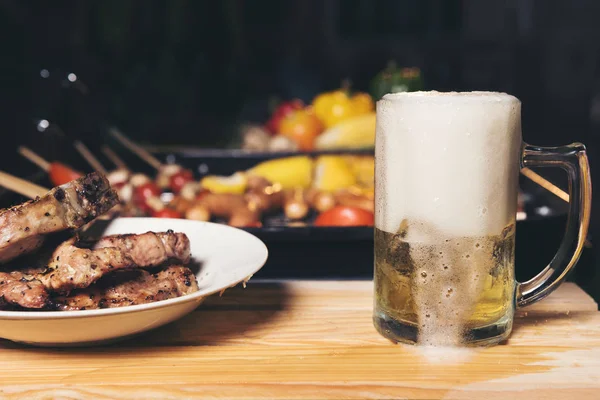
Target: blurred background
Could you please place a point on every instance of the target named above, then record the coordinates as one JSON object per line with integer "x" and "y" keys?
{"x": 185, "y": 71}
{"x": 192, "y": 72}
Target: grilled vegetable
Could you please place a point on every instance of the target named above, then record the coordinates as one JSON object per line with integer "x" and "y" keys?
{"x": 289, "y": 172}
{"x": 334, "y": 107}
{"x": 357, "y": 132}
{"x": 345, "y": 216}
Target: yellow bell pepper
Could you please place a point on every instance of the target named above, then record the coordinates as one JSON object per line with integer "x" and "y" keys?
{"x": 333, "y": 173}
{"x": 333, "y": 107}
{"x": 363, "y": 168}
{"x": 357, "y": 132}
{"x": 235, "y": 183}
{"x": 362, "y": 103}
{"x": 289, "y": 172}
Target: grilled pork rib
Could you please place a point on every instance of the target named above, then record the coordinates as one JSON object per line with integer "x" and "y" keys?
{"x": 17, "y": 289}
{"x": 150, "y": 248}
{"x": 73, "y": 267}
{"x": 127, "y": 288}
{"x": 67, "y": 206}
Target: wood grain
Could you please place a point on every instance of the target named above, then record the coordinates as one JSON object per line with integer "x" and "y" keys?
{"x": 300, "y": 340}
{"x": 21, "y": 186}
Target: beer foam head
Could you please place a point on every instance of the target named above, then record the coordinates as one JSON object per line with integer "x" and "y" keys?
{"x": 448, "y": 161}
{"x": 435, "y": 96}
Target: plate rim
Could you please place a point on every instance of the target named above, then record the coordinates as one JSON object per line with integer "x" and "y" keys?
{"x": 196, "y": 296}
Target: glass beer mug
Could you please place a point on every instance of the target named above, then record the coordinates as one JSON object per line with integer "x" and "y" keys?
{"x": 446, "y": 184}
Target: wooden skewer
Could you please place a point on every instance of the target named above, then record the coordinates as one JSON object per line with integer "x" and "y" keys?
{"x": 546, "y": 184}
{"x": 34, "y": 158}
{"x": 21, "y": 186}
{"x": 551, "y": 187}
{"x": 114, "y": 158}
{"x": 89, "y": 157}
{"x": 135, "y": 148}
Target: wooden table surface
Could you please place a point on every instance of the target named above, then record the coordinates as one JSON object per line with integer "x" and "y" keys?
{"x": 313, "y": 340}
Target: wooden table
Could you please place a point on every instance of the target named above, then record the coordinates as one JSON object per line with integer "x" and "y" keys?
{"x": 313, "y": 340}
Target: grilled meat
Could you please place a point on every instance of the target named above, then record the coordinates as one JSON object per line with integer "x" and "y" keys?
{"x": 127, "y": 288}
{"x": 150, "y": 248}
{"x": 22, "y": 228}
{"x": 72, "y": 267}
{"x": 17, "y": 289}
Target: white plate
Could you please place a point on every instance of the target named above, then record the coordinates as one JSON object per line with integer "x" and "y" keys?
{"x": 226, "y": 256}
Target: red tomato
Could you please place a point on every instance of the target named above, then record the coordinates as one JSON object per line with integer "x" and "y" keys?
{"x": 179, "y": 179}
{"x": 61, "y": 174}
{"x": 145, "y": 191}
{"x": 167, "y": 213}
{"x": 281, "y": 112}
{"x": 288, "y": 106}
{"x": 345, "y": 216}
{"x": 142, "y": 193}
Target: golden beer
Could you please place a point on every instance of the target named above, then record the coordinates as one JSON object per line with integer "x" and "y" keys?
{"x": 454, "y": 292}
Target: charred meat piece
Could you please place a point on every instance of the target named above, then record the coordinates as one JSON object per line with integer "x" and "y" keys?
{"x": 73, "y": 267}
{"x": 23, "y": 227}
{"x": 127, "y": 288}
{"x": 150, "y": 248}
{"x": 18, "y": 290}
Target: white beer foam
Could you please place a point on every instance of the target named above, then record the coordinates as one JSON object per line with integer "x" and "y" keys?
{"x": 450, "y": 160}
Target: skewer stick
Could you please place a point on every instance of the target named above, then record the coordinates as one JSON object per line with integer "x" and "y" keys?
{"x": 21, "y": 186}
{"x": 89, "y": 157}
{"x": 34, "y": 158}
{"x": 135, "y": 148}
{"x": 114, "y": 158}
{"x": 551, "y": 187}
{"x": 546, "y": 184}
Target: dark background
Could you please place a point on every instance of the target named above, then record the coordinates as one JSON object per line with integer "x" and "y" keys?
{"x": 186, "y": 71}
{"x": 190, "y": 71}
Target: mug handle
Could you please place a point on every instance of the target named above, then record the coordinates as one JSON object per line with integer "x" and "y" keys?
{"x": 573, "y": 159}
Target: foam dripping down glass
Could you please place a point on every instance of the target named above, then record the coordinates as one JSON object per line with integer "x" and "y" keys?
{"x": 446, "y": 182}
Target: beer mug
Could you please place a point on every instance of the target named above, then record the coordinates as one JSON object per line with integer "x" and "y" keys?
{"x": 446, "y": 184}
